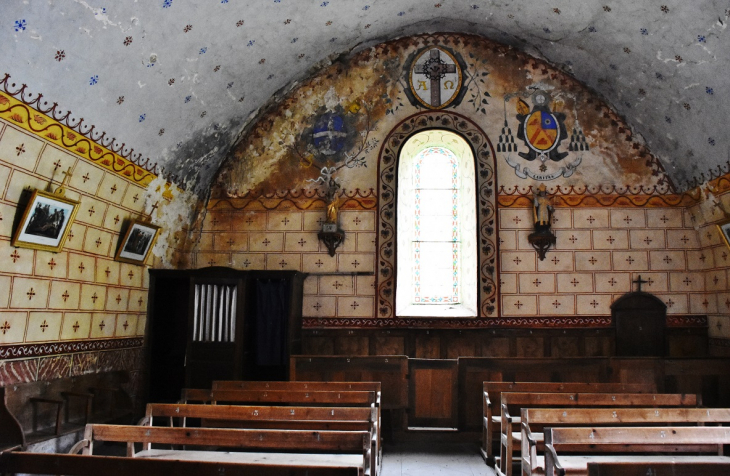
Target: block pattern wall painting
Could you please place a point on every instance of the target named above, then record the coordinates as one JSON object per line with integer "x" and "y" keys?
{"x": 77, "y": 311}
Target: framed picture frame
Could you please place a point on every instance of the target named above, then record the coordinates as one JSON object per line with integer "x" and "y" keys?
{"x": 137, "y": 242}
{"x": 46, "y": 222}
{"x": 724, "y": 227}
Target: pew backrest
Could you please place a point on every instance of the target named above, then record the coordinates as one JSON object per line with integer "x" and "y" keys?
{"x": 596, "y": 440}
{"x": 658, "y": 469}
{"x": 284, "y": 397}
{"x": 15, "y": 462}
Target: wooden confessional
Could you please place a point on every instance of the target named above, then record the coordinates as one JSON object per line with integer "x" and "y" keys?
{"x": 221, "y": 323}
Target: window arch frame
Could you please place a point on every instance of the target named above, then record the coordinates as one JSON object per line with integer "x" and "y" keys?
{"x": 487, "y": 219}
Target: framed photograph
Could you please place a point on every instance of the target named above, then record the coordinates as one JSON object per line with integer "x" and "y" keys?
{"x": 137, "y": 242}
{"x": 724, "y": 227}
{"x": 46, "y": 222}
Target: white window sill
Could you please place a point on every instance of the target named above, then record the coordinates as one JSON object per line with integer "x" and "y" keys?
{"x": 436, "y": 310}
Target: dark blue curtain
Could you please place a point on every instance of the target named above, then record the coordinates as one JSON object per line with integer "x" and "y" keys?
{"x": 272, "y": 311}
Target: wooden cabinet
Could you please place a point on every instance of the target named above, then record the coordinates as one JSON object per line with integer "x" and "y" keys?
{"x": 221, "y": 323}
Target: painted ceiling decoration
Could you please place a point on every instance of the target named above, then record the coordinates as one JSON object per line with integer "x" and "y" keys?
{"x": 181, "y": 81}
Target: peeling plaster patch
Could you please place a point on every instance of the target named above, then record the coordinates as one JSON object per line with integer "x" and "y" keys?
{"x": 99, "y": 14}
{"x": 181, "y": 209}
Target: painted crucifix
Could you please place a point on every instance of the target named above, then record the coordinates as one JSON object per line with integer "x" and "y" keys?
{"x": 435, "y": 78}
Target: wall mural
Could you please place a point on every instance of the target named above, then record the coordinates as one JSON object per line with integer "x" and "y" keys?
{"x": 345, "y": 125}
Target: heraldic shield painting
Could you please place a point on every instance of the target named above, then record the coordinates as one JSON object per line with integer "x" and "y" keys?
{"x": 541, "y": 129}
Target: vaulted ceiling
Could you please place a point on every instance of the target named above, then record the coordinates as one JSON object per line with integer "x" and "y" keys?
{"x": 179, "y": 80}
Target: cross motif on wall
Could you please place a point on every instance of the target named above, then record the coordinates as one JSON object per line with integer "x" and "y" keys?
{"x": 114, "y": 188}
{"x": 517, "y": 260}
{"x": 249, "y": 220}
{"x": 537, "y": 282}
{"x": 356, "y": 220}
{"x": 230, "y": 242}
{"x": 94, "y": 297}
{"x": 556, "y": 304}
{"x": 575, "y": 282}
{"x": 211, "y": 262}
{"x": 594, "y": 303}
{"x": 354, "y": 305}
{"x": 119, "y": 299}
{"x": 44, "y": 326}
{"x": 30, "y": 294}
{"x": 52, "y": 263}
{"x": 15, "y": 256}
{"x": 116, "y": 219}
{"x": 670, "y": 303}
{"x": 125, "y": 325}
{"x": 593, "y": 260}
{"x": 612, "y": 282}
{"x": 5, "y": 327}
{"x": 131, "y": 274}
{"x": 76, "y": 326}
{"x": 667, "y": 259}
{"x": 102, "y": 326}
{"x": 57, "y": 165}
{"x": 319, "y": 263}
{"x": 98, "y": 242}
{"x": 154, "y": 207}
{"x": 687, "y": 281}
{"x": 320, "y": 221}
{"x": 434, "y": 69}
{"x": 610, "y": 239}
{"x": 517, "y": 220}
{"x": 246, "y": 263}
{"x": 572, "y": 239}
{"x": 285, "y": 221}
{"x": 140, "y": 301}
{"x": 301, "y": 242}
{"x": 317, "y": 306}
{"x": 20, "y": 149}
{"x": 65, "y": 295}
{"x": 337, "y": 285}
{"x": 355, "y": 263}
{"x": 590, "y": 219}
{"x": 91, "y": 211}
{"x": 82, "y": 267}
{"x": 647, "y": 240}
{"x": 630, "y": 260}
{"x": 703, "y": 257}
{"x": 664, "y": 219}
{"x": 519, "y": 305}
{"x": 282, "y": 263}
{"x": 555, "y": 260}
{"x": 135, "y": 198}
{"x": 715, "y": 279}
{"x": 107, "y": 271}
{"x": 86, "y": 177}
{"x": 628, "y": 219}
{"x": 684, "y": 239}
{"x": 266, "y": 242}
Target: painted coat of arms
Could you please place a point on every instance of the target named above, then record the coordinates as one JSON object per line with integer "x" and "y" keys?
{"x": 542, "y": 130}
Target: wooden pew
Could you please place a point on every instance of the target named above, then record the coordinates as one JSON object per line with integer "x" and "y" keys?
{"x": 658, "y": 469}
{"x": 295, "y": 385}
{"x": 492, "y": 392}
{"x": 571, "y": 449}
{"x": 535, "y": 419}
{"x": 513, "y": 403}
{"x": 270, "y": 417}
{"x": 280, "y": 397}
{"x": 301, "y": 448}
{"x": 15, "y": 462}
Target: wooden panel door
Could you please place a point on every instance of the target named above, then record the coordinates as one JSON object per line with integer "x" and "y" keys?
{"x": 433, "y": 393}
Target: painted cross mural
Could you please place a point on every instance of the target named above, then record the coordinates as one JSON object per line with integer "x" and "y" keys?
{"x": 435, "y": 78}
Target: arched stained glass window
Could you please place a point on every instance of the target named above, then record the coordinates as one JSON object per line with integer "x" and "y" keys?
{"x": 437, "y": 258}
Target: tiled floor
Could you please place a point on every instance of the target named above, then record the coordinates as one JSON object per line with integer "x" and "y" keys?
{"x": 434, "y": 453}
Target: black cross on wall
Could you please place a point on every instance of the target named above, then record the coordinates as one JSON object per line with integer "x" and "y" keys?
{"x": 435, "y": 69}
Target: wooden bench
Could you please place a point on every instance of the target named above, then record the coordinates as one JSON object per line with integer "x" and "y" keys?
{"x": 307, "y": 386}
{"x": 281, "y": 397}
{"x": 492, "y": 392}
{"x": 569, "y": 450}
{"x": 534, "y": 420}
{"x": 37, "y": 411}
{"x": 270, "y": 417}
{"x": 14, "y": 462}
{"x": 658, "y": 469}
{"x": 299, "y": 448}
{"x": 513, "y": 403}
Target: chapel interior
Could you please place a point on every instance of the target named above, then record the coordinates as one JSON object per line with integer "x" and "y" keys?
{"x": 249, "y": 197}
